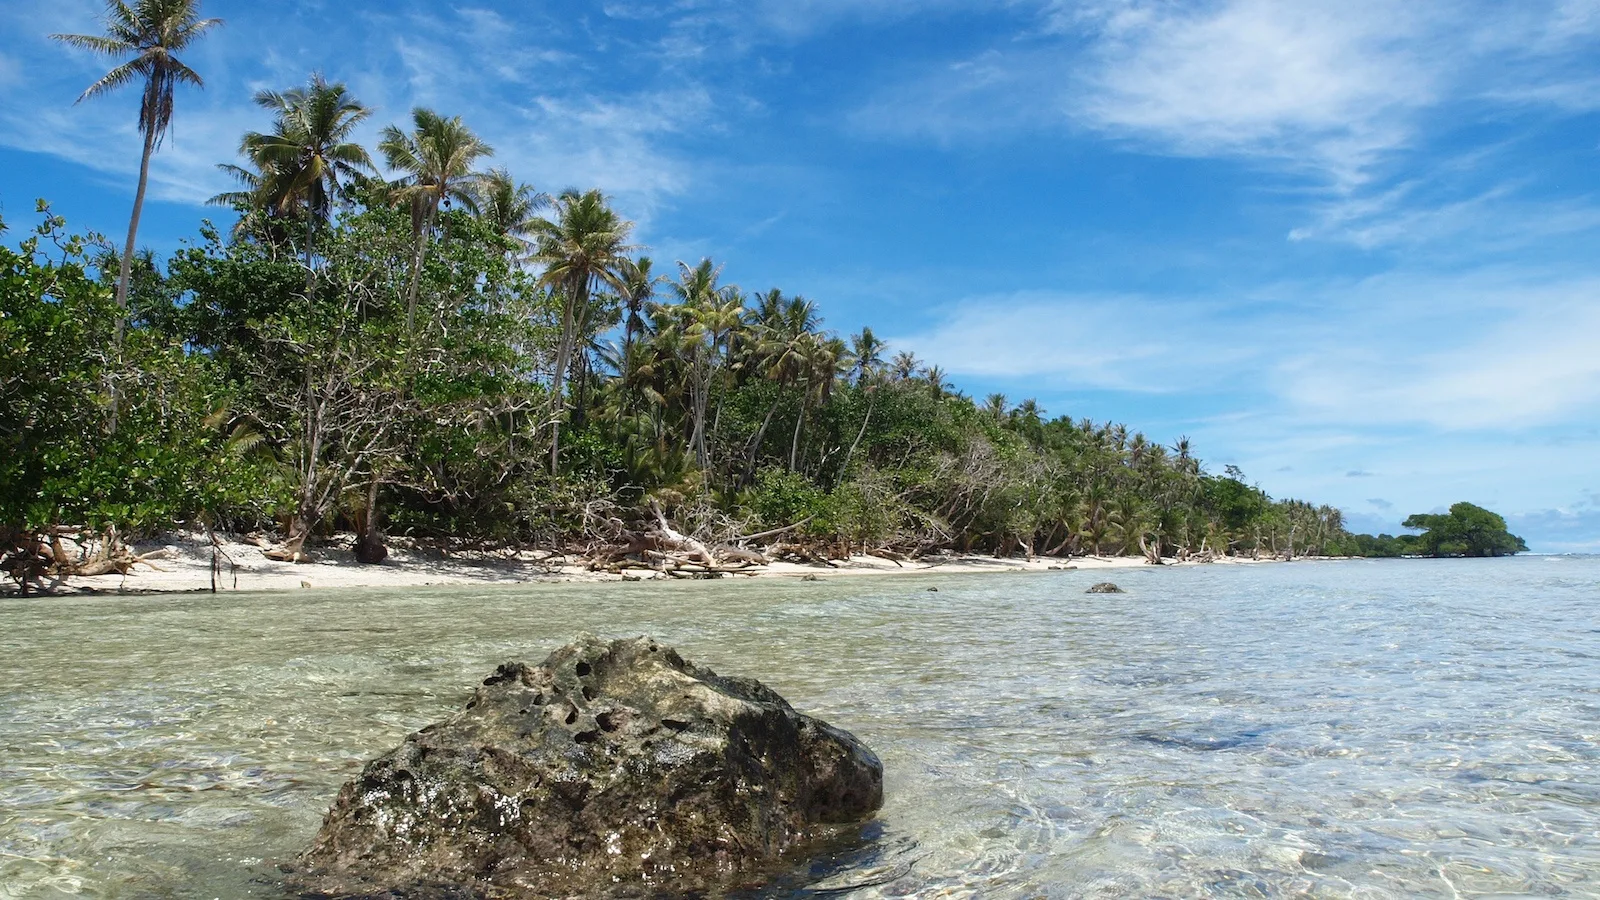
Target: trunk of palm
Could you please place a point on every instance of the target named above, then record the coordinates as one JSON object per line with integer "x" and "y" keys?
{"x": 417, "y": 256}
{"x": 844, "y": 468}
{"x": 125, "y": 265}
{"x": 700, "y": 402}
{"x": 794, "y": 442}
{"x": 755, "y": 442}
{"x": 575, "y": 297}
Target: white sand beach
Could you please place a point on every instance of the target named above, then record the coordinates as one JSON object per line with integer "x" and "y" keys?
{"x": 187, "y": 565}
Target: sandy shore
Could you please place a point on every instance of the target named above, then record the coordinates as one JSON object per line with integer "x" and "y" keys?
{"x": 187, "y": 566}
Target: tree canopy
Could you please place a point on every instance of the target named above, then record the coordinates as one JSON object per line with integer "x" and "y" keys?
{"x": 1467, "y": 530}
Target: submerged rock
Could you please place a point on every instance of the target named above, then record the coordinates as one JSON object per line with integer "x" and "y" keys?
{"x": 612, "y": 769}
{"x": 1105, "y": 587}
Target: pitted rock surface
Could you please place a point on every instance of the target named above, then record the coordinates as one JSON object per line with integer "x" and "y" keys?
{"x": 612, "y": 769}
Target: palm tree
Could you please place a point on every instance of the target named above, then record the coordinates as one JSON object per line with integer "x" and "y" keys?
{"x": 638, "y": 290}
{"x": 511, "y": 209}
{"x": 995, "y": 406}
{"x": 437, "y": 157}
{"x": 587, "y": 241}
{"x": 823, "y": 359}
{"x": 153, "y": 32}
{"x": 904, "y": 365}
{"x": 866, "y": 354}
{"x": 302, "y": 160}
{"x": 255, "y": 218}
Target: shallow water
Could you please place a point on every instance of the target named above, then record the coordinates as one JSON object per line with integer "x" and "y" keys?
{"x": 1347, "y": 729}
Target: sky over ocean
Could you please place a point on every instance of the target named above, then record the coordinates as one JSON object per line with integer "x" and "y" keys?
{"x": 1347, "y": 246}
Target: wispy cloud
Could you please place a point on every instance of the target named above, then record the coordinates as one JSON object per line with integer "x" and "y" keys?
{"x": 1484, "y": 350}
{"x": 1102, "y": 342}
{"x": 1345, "y": 95}
{"x": 1330, "y": 86}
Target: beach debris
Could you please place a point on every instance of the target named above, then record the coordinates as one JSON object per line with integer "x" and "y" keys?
{"x": 1105, "y": 587}
{"x": 64, "y": 551}
{"x": 614, "y": 768}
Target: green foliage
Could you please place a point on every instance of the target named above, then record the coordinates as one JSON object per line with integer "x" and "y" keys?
{"x": 62, "y": 461}
{"x": 781, "y": 498}
{"x": 1467, "y": 530}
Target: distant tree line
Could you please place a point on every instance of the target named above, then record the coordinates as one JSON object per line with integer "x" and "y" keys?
{"x": 1466, "y": 530}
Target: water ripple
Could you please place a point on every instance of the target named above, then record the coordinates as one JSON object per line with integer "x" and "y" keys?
{"x": 1342, "y": 730}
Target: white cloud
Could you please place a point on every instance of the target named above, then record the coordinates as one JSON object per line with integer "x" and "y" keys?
{"x": 1351, "y": 98}
{"x": 1486, "y": 350}
{"x": 1105, "y": 342}
{"x": 1536, "y": 362}
{"x": 1326, "y": 85}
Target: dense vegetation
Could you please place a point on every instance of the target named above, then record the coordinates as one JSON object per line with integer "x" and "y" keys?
{"x": 1466, "y": 530}
{"x": 453, "y": 356}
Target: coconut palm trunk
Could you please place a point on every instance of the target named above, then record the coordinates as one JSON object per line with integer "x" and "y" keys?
{"x": 569, "y": 339}
{"x": 125, "y": 265}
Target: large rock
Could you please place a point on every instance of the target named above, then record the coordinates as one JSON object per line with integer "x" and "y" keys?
{"x": 613, "y": 769}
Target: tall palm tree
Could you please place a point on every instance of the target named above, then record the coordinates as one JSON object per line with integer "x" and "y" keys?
{"x": 905, "y": 364}
{"x": 510, "y": 208}
{"x": 995, "y": 406}
{"x": 153, "y": 32}
{"x": 638, "y": 290}
{"x": 866, "y": 354}
{"x": 824, "y": 359}
{"x": 308, "y": 152}
{"x": 437, "y": 157}
{"x": 585, "y": 242}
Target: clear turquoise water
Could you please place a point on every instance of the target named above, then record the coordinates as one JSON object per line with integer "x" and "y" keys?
{"x": 1345, "y": 729}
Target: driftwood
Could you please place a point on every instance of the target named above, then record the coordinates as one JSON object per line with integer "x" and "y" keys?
{"x": 1152, "y": 552}
{"x": 61, "y": 552}
{"x": 663, "y": 548}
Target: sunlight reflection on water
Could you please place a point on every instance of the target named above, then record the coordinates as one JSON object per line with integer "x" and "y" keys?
{"x": 1356, "y": 729}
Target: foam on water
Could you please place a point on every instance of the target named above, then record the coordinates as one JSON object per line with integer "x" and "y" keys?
{"x": 1357, "y": 729}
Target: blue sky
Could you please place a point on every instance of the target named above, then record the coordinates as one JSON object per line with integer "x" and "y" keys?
{"x": 1348, "y": 246}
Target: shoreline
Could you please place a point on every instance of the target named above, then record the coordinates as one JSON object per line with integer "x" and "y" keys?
{"x": 186, "y": 567}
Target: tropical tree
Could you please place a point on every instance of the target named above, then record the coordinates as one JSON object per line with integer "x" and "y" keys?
{"x": 438, "y": 156}
{"x": 510, "y": 207}
{"x": 638, "y": 290}
{"x": 866, "y": 355}
{"x": 585, "y": 242}
{"x": 301, "y": 163}
{"x": 1467, "y": 530}
{"x": 153, "y": 32}
{"x": 904, "y": 365}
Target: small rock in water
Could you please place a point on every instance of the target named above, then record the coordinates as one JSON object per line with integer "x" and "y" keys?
{"x": 934, "y": 590}
{"x": 809, "y": 576}
{"x": 612, "y": 769}
{"x": 1105, "y": 587}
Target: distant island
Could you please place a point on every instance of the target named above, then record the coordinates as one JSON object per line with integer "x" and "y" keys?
{"x": 449, "y": 354}
{"x": 1466, "y": 530}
